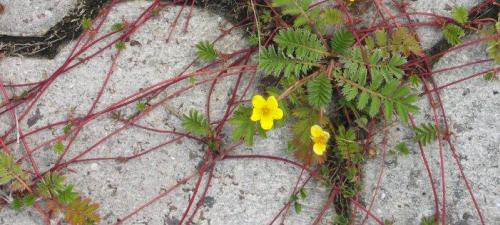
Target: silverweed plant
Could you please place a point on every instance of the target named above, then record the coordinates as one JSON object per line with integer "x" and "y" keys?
{"x": 325, "y": 81}
{"x": 328, "y": 81}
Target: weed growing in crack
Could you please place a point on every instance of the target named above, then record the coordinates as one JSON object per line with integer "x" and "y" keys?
{"x": 366, "y": 79}
{"x": 329, "y": 82}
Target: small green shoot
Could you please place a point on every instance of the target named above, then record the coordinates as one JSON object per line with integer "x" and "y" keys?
{"x": 155, "y": 12}
{"x": 489, "y": 76}
{"x": 67, "y": 128}
{"x": 86, "y": 23}
{"x": 453, "y": 33}
{"x": 303, "y": 193}
{"x": 206, "y": 51}
{"x": 58, "y": 147}
{"x": 341, "y": 220}
{"x": 120, "y": 45}
{"x": 140, "y": 106}
{"x": 118, "y": 27}
{"x": 429, "y": 221}
{"x": 414, "y": 80}
{"x": 460, "y": 14}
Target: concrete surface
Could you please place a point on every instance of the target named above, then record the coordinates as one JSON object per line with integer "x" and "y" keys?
{"x": 243, "y": 192}
{"x": 250, "y": 191}
{"x": 473, "y": 110}
{"x": 431, "y": 35}
{"x": 32, "y": 17}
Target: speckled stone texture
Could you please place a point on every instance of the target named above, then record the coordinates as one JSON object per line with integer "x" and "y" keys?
{"x": 472, "y": 109}
{"x": 32, "y": 17}
{"x": 242, "y": 191}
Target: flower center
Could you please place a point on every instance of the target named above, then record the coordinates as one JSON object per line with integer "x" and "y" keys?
{"x": 321, "y": 139}
{"x": 266, "y": 111}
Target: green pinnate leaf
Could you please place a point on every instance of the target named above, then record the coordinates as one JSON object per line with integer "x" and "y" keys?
{"x": 196, "y": 123}
{"x": 300, "y": 43}
{"x": 374, "y": 106}
{"x": 341, "y": 41}
{"x": 388, "y": 110}
{"x": 319, "y": 91}
{"x": 292, "y": 7}
{"x": 363, "y": 99}
{"x": 298, "y": 51}
{"x": 297, "y": 8}
{"x": 426, "y": 133}
{"x": 384, "y": 87}
{"x": 349, "y": 92}
{"x": 274, "y": 61}
{"x": 244, "y": 128}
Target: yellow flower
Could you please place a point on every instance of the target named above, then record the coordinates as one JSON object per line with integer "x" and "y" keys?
{"x": 266, "y": 111}
{"x": 320, "y": 139}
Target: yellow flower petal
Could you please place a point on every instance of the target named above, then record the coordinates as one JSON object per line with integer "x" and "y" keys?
{"x": 327, "y": 135}
{"x": 319, "y": 148}
{"x": 256, "y": 114}
{"x": 272, "y": 102}
{"x": 266, "y": 122}
{"x": 258, "y": 101}
{"x": 316, "y": 131}
{"x": 277, "y": 114}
